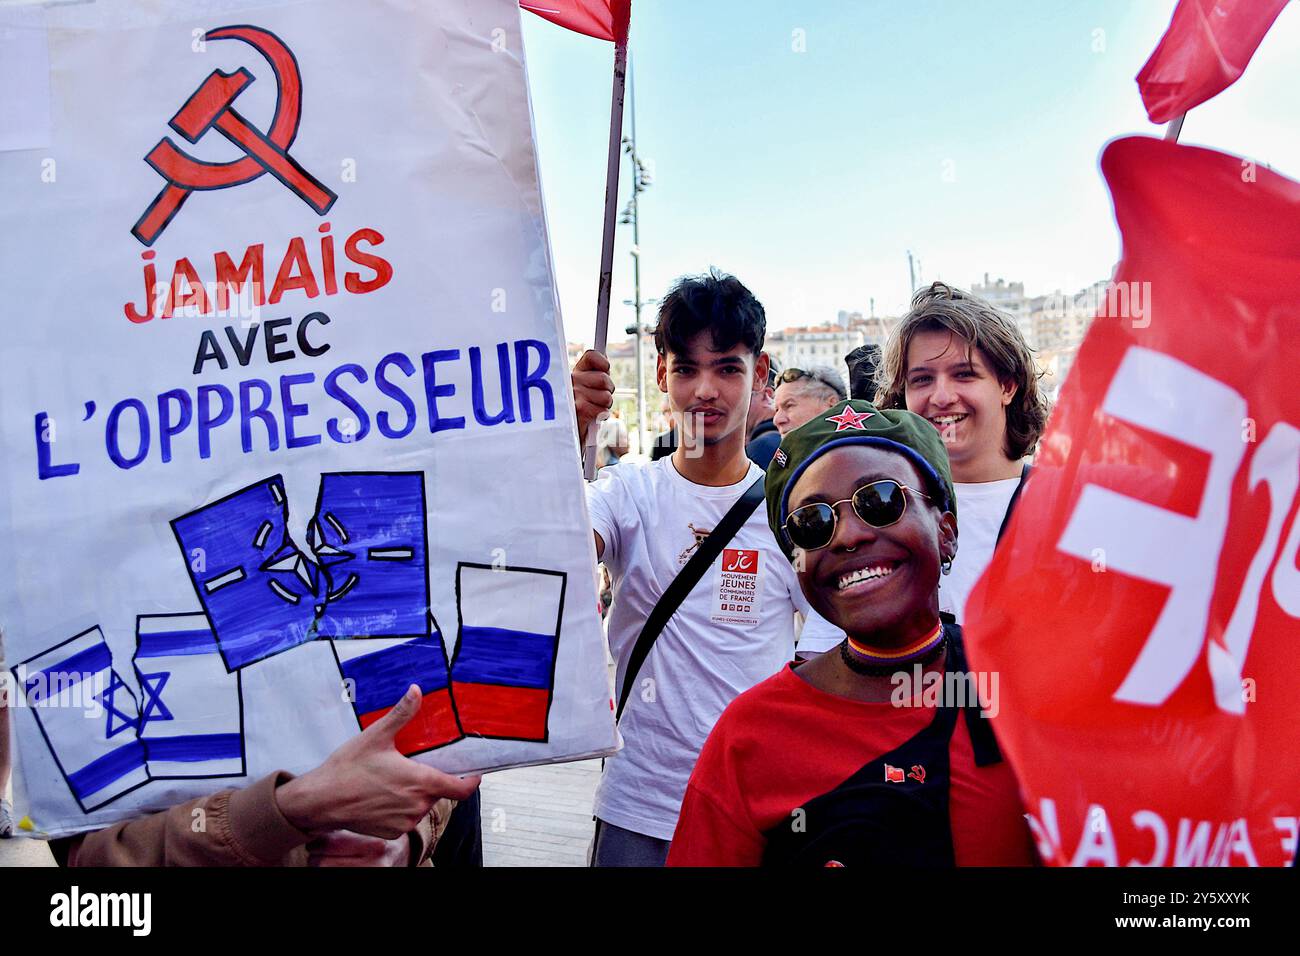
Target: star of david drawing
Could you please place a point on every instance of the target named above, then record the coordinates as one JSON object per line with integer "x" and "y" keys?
{"x": 107, "y": 697}
{"x": 154, "y": 708}
{"x": 848, "y": 419}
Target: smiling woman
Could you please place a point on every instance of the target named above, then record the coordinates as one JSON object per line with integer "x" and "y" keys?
{"x": 827, "y": 763}
{"x": 964, "y": 367}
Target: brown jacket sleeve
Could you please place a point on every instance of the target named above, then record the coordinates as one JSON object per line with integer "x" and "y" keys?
{"x": 424, "y": 838}
{"x": 228, "y": 828}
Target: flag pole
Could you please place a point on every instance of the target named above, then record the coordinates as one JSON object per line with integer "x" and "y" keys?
{"x": 607, "y": 240}
{"x": 1174, "y": 128}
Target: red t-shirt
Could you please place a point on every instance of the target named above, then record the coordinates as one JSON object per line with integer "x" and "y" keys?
{"x": 784, "y": 742}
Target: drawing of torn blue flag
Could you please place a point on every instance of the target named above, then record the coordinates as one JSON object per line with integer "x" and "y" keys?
{"x": 257, "y": 587}
{"x": 369, "y": 536}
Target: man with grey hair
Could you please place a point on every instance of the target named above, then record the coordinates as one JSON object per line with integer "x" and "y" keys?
{"x": 803, "y": 394}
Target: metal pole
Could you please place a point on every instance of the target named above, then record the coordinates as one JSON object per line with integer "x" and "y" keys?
{"x": 607, "y": 241}
{"x": 911, "y": 272}
{"x": 1175, "y": 128}
{"x": 636, "y": 281}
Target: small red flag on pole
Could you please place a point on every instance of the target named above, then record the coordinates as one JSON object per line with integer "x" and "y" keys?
{"x": 1204, "y": 51}
{"x": 604, "y": 20}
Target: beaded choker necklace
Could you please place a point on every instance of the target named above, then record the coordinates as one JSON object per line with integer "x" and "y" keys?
{"x": 867, "y": 660}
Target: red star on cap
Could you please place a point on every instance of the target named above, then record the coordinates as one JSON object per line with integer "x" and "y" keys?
{"x": 848, "y": 419}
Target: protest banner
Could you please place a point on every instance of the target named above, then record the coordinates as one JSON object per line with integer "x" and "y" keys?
{"x": 1143, "y": 609}
{"x": 286, "y": 402}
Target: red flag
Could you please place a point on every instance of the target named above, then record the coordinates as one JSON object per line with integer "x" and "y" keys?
{"x": 602, "y": 19}
{"x": 1142, "y": 613}
{"x": 1204, "y": 51}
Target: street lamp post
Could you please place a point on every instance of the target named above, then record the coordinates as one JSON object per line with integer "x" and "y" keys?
{"x": 641, "y": 181}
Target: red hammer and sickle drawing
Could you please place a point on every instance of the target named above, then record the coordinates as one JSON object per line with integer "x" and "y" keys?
{"x": 210, "y": 108}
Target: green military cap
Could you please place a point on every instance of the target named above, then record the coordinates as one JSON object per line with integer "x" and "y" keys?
{"x": 856, "y": 422}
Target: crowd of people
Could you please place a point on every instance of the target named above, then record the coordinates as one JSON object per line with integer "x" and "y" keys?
{"x": 755, "y": 648}
{"x": 752, "y": 741}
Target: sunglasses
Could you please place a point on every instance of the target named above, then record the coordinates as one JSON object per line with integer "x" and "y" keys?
{"x": 878, "y": 504}
{"x": 795, "y": 374}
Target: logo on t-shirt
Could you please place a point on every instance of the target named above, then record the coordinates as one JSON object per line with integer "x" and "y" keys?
{"x": 737, "y": 561}
{"x": 738, "y": 592}
{"x": 894, "y": 774}
{"x": 700, "y": 536}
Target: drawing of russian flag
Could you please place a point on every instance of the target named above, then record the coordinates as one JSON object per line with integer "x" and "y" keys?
{"x": 377, "y": 673}
{"x": 503, "y": 671}
{"x": 191, "y": 712}
{"x": 257, "y": 587}
{"x": 88, "y": 717}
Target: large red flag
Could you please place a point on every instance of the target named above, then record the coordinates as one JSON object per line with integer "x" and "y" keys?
{"x": 1143, "y": 612}
{"x": 602, "y": 19}
{"x": 1204, "y": 51}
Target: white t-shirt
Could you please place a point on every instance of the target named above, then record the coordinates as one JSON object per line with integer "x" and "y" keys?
{"x": 735, "y": 628}
{"x": 980, "y": 510}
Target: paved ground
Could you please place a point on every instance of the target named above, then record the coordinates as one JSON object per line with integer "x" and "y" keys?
{"x": 535, "y": 816}
{"x": 17, "y": 852}
{"x": 539, "y": 816}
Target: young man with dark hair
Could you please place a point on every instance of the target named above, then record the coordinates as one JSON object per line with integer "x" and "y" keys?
{"x": 735, "y": 627}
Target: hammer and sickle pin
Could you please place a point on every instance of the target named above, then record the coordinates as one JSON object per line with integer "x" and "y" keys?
{"x": 210, "y": 107}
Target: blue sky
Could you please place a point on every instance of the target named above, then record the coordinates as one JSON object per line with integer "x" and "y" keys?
{"x": 965, "y": 130}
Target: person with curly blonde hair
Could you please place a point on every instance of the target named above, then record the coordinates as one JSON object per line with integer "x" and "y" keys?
{"x": 962, "y": 365}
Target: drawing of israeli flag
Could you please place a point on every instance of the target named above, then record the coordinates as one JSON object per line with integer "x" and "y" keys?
{"x": 503, "y": 671}
{"x": 191, "y": 707}
{"x": 88, "y": 717}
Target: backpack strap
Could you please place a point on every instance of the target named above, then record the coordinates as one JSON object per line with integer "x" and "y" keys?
{"x": 983, "y": 742}
{"x": 1011, "y": 505}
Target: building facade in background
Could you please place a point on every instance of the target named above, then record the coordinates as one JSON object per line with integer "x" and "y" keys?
{"x": 1054, "y": 325}
{"x": 1008, "y": 297}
